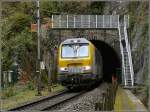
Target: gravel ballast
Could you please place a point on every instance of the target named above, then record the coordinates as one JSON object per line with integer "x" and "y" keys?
{"x": 85, "y": 102}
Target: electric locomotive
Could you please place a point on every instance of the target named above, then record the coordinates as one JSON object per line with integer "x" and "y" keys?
{"x": 79, "y": 63}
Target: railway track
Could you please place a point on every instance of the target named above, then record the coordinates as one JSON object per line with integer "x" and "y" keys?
{"x": 66, "y": 100}
{"x": 48, "y": 102}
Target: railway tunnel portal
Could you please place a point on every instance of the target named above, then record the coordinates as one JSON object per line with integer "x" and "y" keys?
{"x": 111, "y": 60}
{"x": 107, "y": 43}
{"x": 112, "y": 56}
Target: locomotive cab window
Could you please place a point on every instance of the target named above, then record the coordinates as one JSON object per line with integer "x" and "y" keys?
{"x": 75, "y": 50}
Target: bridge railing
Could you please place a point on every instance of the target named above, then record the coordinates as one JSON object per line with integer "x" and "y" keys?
{"x": 85, "y": 21}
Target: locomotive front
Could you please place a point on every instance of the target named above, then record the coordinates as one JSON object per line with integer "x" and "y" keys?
{"x": 75, "y": 62}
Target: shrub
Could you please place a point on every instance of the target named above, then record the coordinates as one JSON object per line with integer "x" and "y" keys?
{"x": 8, "y": 92}
{"x": 30, "y": 86}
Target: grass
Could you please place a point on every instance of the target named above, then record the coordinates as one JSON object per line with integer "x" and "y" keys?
{"x": 123, "y": 102}
{"x": 24, "y": 96}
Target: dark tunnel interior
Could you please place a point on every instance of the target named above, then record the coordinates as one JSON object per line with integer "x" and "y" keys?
{"x": 111, "y": 61}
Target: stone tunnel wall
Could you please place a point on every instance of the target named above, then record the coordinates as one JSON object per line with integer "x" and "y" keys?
{"x": 107, "y": 42}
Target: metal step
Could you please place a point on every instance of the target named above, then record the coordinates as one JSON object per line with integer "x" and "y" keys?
{"x": 127, "y": 61}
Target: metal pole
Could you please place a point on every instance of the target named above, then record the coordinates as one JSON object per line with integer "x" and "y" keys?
{"x": 59, "y": 21}
{"x": 1, "y": 49}
{"x": 52, "y": 21}
{"x": 96, "y": 21}
{"x": 81, "y": 22}
{"x": 149, "y": 65}
{"x": 89, "y": 20}
{"x": 38, "y": 48}
{"x": 38, "y": 27}
{"x": 67, "y": 21}
{"x": 49, "y": 72}
{"x": 74, "y": 19}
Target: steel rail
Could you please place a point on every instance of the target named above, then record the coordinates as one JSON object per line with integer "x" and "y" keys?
{"x": 62, "y": 101}
{"x": 23, "y": 106}
{"x": 49, "y": 102}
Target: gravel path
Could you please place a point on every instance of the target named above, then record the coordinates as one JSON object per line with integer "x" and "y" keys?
{"x": 85, "y": 102}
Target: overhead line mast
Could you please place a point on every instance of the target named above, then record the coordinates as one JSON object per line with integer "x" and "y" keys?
{"x": 38, "y": 48}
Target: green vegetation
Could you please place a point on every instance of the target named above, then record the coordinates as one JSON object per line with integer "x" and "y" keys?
{"x": 18, "y": 44}
{"x": 8, "y": 92}
{"x": 14, "y": 96}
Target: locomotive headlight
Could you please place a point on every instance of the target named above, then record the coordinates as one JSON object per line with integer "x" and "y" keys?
{"x": 63, "y": 69}
{"x": 87, "y": 68}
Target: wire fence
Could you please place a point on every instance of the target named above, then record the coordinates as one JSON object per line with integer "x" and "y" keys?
{"x": 85, "y": 21}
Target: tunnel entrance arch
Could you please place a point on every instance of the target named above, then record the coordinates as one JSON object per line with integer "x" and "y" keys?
{"x": 111, "y": 60}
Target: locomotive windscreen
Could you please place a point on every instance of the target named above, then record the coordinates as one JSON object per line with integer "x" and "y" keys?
{"x": 75, "y": 50}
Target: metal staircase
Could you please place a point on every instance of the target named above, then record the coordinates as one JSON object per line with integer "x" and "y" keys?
{"x": 127, "y": 67}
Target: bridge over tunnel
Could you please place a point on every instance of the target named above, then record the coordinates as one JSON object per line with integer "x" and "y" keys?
{"x": 111, "y": 60}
